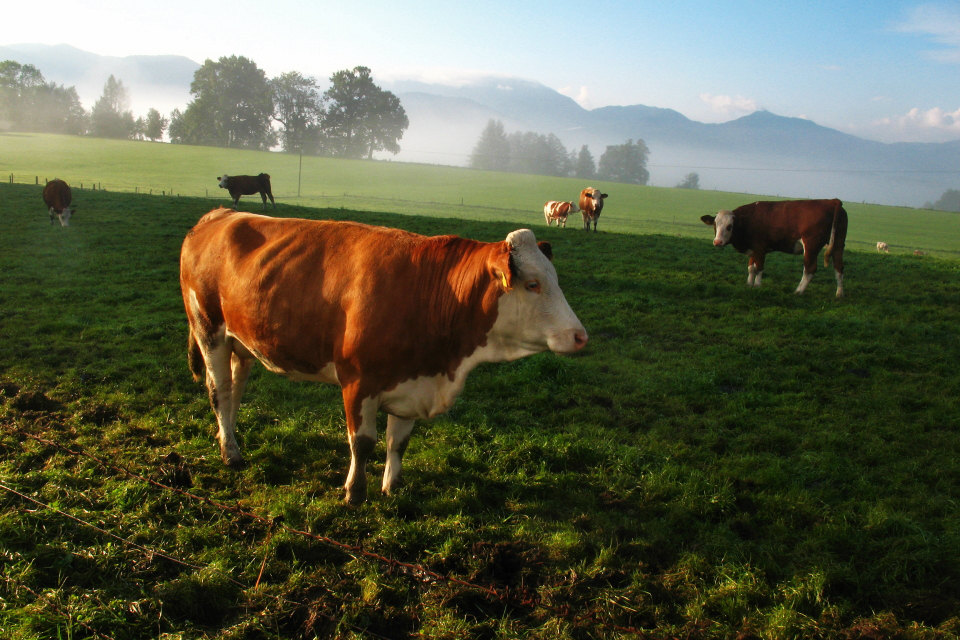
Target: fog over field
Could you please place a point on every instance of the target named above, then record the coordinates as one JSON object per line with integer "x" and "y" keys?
{"x": 760, "y": 153}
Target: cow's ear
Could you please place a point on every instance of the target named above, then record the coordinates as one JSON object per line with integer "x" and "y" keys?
{"x": 708, "y": 220}
{"x": 547, "y": 249}
{"x": 604, "y": 195}
{"x": 502, "y": 267}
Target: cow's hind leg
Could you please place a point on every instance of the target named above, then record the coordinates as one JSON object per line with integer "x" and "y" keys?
{"x": 809, "y": 268}
{"x": 398, "y": 436}
{"x": 362, "y": 434}
{"x": 263, "y": 196}
{"x": 838, "y": 270}
{"x": 223, "y": 399}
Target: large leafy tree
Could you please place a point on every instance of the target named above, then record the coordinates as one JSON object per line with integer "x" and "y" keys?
{"x": 298, "y": 106}
{"x": 232, "y": 107}
{"x": 360, "y": 117}
{"x": 111, "y": 116}
{"x": 29, "y": 103}
{"x": 625, "y": 162}
{"x": 492, "y": 151}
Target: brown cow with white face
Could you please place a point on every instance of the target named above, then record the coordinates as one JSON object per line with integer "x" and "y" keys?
{"x": 558, "y": 211}
{"x": 591, "y": 204}
{"x": 790, "y": 226}
{"x": 396, "y": 319}
{"x": 57, "y": 197}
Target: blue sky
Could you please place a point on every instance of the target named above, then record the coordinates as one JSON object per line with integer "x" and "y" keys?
{"x": 879, "y": 69}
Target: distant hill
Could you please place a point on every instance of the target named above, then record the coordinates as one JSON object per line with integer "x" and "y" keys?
{"x": 161, "y": 82}
{"x": 758, "y": 153}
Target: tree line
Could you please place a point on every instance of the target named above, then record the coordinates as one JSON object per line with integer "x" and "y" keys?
{"x": 529, "y": 152}
{"x": 234, "y": 105}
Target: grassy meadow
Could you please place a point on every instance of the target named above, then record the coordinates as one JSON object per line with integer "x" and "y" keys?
{"x": 718, "y": 462}
{"x": 431, "y": 190}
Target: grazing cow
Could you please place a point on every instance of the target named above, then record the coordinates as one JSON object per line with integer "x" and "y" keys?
{"x": 591, "y": 204}
{"x": 57, "y": 196}
{"x": 882, "y": 247}
{"x": 918, "y": 252}
{"x": 793, "y": 226}
{"x": 396, "y": 319}
{"x": 558, "y": 211}
{"x": 247, "y": 186}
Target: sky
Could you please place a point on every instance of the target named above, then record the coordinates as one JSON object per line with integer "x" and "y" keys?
{"x": 882, "y": 70}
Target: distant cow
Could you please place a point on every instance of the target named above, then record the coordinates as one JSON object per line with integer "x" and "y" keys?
{"x": 396, "y": 319}
{"x": 247, "y": 186}
{"x": 793, "y": 226}
{"x": 918, "y": 252}
{"x": 591, "y": 204}
{"x": 57, "y": 196}
{"x": 882, "y": 247}
{"x": 558, "y": 211}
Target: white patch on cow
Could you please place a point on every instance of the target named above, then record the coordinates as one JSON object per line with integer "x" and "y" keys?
{"x": 839, "y": 283}
{"x": 223, "y": 181}
{"x": 751, "y": 274}
{"x": 724, "y": 227}
{"x": 757, "y": 280}
{"x": 397, "y": 437}
{"x": 65, "y": 216}
{"x": 807, "y": 277}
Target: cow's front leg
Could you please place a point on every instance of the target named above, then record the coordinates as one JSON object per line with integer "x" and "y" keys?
{"x": 398, "y": 436}
{"x": 362, "y": 435}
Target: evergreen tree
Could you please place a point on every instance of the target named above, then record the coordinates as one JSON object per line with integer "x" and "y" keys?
{"x": 155, "y": 125}
{"x": 492, "y": 151}
{"x": 584, "y": 167}
{"x": 111, "y": 116}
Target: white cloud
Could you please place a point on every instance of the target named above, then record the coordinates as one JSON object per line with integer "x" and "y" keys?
{"x": 582, "y": 97}
{"x": 917, "y": 125}
{"x": 939, "y": 23}
{"x": 729, "y": 106}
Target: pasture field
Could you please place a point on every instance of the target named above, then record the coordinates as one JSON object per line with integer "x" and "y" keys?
{"x": 431, "y": 190}
{"x": 718, "y": 462}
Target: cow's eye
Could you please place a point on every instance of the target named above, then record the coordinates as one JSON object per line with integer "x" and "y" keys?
{"x": 533, "y": 285}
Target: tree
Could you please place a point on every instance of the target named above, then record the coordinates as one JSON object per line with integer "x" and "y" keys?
{"x": 625, "y": 163}
{"x": 584, "y": 166}
{"x": 111, "y": 116}
{"x": 29, "y": 103}
{"x": 360, "y": 117}
{"x": 298, "y": 106}
{"x": 232, "y": 107}
{"x": 538, "y": 154}
{"x": 949, "y": 201}
{"x": 155, "y": 125}
{"x": 492, "y": 151}
{"x": 690, "y": 181}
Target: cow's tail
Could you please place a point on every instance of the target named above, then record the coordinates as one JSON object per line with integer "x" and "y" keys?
{"x": 195, "y": 356}
{"x": 838, "y": 235}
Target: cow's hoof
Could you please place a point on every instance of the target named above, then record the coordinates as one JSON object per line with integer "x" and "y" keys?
{"x": 235, "y": 463}
{"x": 355, "y": 499}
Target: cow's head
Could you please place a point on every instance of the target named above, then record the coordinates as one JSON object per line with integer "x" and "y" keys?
{"x": 574, "y": 207}
{"x": 533, "y": 314}
{"x": 64, "y": 216}
{"x": 223, "y": 181}
{"x": 723, "y": 225}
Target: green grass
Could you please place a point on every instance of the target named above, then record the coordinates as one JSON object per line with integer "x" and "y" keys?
{"x": 431, "y": 190}
{"x": 718, "y": 462}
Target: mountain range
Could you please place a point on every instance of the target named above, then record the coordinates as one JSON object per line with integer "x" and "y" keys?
{"x": 761, "y": 153}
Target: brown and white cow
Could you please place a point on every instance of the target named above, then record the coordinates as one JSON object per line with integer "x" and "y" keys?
{"x": 57, "y": 197}
{"x": 558, "y": 211}
{"x": 791, "y": 226}
{"x": 882, "y": 247}
{"x": 247, "y": 186}
{"x": 591, "y": 204}
{"x": 396, "y": 319}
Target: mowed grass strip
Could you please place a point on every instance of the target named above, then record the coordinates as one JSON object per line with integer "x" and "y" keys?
{"x": 430, "y": 190}
{"x": 720, "y": 461}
